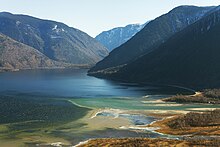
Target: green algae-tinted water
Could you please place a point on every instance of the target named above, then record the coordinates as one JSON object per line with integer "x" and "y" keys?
{"x": 36, "y": 105}
{"x": 136, "y": 104}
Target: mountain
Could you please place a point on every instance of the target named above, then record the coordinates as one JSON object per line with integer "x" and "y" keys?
{"x": 113, "y": 38}
{"x": 151, "y": 36}
{"x": 15, "y": 55}
{"x": 189, "y": 58}
{"x": 54, "y": 39}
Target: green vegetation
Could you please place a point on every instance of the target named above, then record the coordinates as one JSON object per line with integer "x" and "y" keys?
{"x": 190, "y": 58}
{"x": 146, "y": 41}
{"x": 193, "y": 119}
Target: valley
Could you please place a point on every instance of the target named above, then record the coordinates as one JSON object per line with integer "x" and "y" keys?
{"x": 154, "y": 83}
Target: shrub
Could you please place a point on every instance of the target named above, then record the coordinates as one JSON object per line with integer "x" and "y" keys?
{"x": 193, "y": 119}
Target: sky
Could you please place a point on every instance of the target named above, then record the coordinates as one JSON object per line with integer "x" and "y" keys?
{"x": 95, "y": 16}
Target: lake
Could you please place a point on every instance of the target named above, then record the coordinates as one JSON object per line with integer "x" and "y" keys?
{"x": 66, "y": 105}
{"x": 73, "y": 83}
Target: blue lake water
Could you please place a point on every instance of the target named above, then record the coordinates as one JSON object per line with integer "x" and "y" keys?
{"x": 72, "y": 83}
{"x": 94, "y": 93}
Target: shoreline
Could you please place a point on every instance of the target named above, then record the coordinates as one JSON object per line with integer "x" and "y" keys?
{"x": 188, "y": 131}
{"x": 100, "y": 119}
{"x": 162, "y": 115}
{"x": 78, "y": 105}
{"x": 186, "y": 139}
{"x": 71, "y": 66}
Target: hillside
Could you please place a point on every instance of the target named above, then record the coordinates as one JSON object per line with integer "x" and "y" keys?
{"x": 54, "y": 39}
{"x": 190, "y": 58}
{"x": 152, "y": 36}
{"x": 15, "y": 55}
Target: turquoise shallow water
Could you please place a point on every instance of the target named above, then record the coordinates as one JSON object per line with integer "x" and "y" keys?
{"x": 85, "y": 91}
{"x": 137, "y": 104}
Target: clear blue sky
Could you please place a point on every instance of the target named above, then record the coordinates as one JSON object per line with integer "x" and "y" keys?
{"x": 95, "y": 16}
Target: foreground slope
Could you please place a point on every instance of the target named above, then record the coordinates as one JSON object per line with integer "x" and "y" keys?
{"x": 190, "y": 58}
{"x": 152, "y": 35}
{"x": 55, "y": 40}
{"x": 115, "y": 37}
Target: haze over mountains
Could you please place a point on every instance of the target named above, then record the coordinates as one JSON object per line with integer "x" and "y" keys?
{"x": 117, "y": 36}
{"x": 55, "y": 40}
{"x": 151, "y": 36}
{"x": 190, "y": 57}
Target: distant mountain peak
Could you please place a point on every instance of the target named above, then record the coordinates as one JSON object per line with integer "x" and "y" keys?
{"x": 155, "y": 33}
{"x": 189, "y": 58}
{"x": 117, "y": 36}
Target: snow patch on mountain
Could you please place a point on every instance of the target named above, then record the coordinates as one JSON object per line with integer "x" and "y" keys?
{"x": 54, "y": 28}
{"x": 117, "y": 36}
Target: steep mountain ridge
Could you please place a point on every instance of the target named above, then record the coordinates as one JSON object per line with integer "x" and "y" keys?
{"x": 54, "y": 39}
{"x": 150, "y": 37}
{"x": 190, "y": 58}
